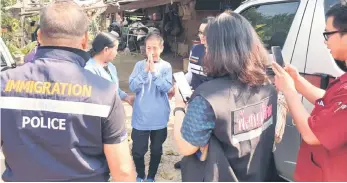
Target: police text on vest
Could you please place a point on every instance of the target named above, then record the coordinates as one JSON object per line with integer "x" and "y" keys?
{"x": 41, "y": 122}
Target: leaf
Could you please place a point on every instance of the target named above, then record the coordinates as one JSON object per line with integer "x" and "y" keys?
{"x": 259, "y": 26}
{"x": 14, "y": 50}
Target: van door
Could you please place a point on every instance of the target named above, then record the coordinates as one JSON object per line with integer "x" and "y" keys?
{"x": 278, "y": 23}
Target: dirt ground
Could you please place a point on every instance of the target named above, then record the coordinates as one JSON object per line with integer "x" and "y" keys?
{"x": 166, "y": 172}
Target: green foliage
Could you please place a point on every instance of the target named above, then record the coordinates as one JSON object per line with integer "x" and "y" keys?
{"x": 260, "y": 30}
{"x": 21, "y": 51}
{"x": 9, "y": 23}
{"x": 12, "y": 26}
{"x": 7, "y": 3}
{"x": 6, "y": 19}
{"x": 268, "y": 26}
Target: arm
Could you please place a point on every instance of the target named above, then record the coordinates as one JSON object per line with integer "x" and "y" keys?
{"x": 122, "y": 94}
{"x": 320, "y": 128}
{"x": 309, "y": 91}
{"x": 138, "y": 78}
{"x": 120, "y": 162}
{"x": 329, "y": 125}
{"x": 300, "y": 117}
{"x": 286, "y": 84}
{"x": 116, "y": 147}
{"x": 194, "y": 129}
{"x": 163, "y": 81}
{"x": 125, "y": 97}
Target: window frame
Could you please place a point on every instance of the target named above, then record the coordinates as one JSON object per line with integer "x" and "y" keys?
{"x": 272, "y": 3}
{"x": 3, "y": 60}
{"x": 5, "y": 53}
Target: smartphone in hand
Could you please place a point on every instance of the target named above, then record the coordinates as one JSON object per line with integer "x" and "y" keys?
{"x": 183, "y": 86}
{"x": 277, "y": 54}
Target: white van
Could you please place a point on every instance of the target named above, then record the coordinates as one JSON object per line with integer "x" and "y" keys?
{"x": 7, "y": 61}
{"x": 296, "y": 26}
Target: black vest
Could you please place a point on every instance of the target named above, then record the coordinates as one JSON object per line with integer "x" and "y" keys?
{"x": 196, "y": 66}
{"x": 51, "y": 119}
{"x": 240, "y": 148}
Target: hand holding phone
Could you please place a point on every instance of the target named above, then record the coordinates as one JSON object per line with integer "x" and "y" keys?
{"x": 183, "y": 86}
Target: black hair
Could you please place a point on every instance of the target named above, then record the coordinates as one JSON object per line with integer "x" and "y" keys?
{"x": 155, "y": 35}
{"x": 102, "y": 40}
{"x": 207, "y": 19}
{"x": 339, "y": 12}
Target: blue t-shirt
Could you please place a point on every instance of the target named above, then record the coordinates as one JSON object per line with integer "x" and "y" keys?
{"x": 151, "y": 107}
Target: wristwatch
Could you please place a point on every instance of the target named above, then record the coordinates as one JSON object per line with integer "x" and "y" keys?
{"x": 179, "y": 109}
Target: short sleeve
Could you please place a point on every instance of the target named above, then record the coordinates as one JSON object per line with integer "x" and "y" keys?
{"x": 330, "y": 124}
{"x": 198, "y": 123}
{"x": 90, "y": 68}
{"x": 114, "y": 129}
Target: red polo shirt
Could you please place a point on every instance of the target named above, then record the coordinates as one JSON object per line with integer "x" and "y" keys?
{"x": 328, "y": 121}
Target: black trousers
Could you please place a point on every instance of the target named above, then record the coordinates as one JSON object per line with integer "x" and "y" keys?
{"x": 140, "y": 147}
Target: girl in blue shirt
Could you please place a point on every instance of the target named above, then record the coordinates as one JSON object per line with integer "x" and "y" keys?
{"x": 104, "y": 49}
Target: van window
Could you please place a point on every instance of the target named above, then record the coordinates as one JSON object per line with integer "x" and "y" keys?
{"x": 272, "y": 21}
{"x": 329, "y": 3}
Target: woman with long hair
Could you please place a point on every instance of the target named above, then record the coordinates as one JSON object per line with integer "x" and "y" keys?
{"x": 226, "y": 132}
{"x": 103, "y": 51}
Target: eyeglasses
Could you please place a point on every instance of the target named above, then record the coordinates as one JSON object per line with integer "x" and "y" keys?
{"x": 327, "y": 34}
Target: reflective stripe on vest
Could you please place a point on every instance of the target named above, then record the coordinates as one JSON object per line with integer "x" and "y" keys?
{"x": 196, "y": 69}
{"x": 33, "y": 104}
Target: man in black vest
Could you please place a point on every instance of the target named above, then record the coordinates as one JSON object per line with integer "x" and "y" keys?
{"x": 60, "y": 122}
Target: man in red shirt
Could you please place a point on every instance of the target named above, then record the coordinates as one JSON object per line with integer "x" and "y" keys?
{"x": 323, "y": 152}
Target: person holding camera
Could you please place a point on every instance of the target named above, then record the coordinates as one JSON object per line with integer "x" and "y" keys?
{"x": 323, "y": 152}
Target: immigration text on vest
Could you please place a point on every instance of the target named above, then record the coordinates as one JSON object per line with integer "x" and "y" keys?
{"x": 48, "y": 88}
